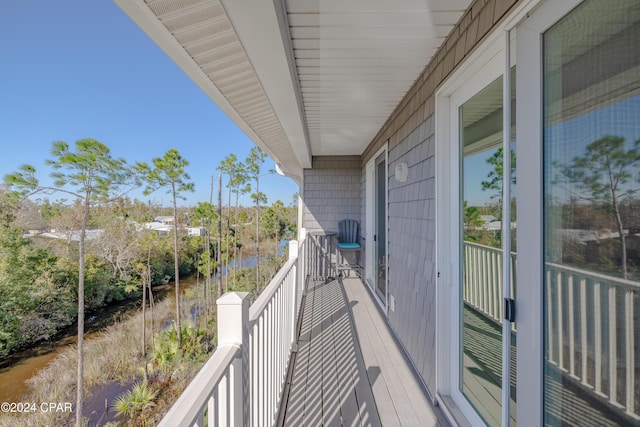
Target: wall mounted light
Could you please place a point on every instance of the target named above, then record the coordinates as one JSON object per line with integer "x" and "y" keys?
{"x": 402, "y": 172}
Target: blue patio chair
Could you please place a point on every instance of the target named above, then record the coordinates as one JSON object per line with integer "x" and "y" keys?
{"x": 348, "y": 241}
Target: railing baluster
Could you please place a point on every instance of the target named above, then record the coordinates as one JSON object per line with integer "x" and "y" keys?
{"x": 235, "y": 392}
{"x": 260, "y": 371}
{"x": 478, "y": 278}
{"x": 583, "y": 330}
{"x": 211, "y": 411}
{"x": 560, "y": 321}
{"x": 512, "y": 260}
{"x": 466, "y": 282}
{"x": 629, "y": 347}
{"x": 572, "y": 331}
{"x": 550, "y": 306}
{"x": 279, "y": 351}
{"x": 475, "y": 294}
{"x": 597, "y": 320}
{"x": 493, "y": 281}
{"x": 200, "y": 421}
{"x": 485, "y": 292}
{"x": 497, "y": 301}
{"x": 253, "y": 379}
{"x": 216, "y": 405}
{"x": 272, "y": 355}
{"x": 223, "y": 400}
{"x": 613, "y": 351}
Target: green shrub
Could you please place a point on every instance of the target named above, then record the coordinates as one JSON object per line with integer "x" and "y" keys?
{"x": 136, "y": 400}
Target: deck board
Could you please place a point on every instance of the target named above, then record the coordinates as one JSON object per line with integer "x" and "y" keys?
{"x": 394, "y": 382}
{"x": 332, "y": 384}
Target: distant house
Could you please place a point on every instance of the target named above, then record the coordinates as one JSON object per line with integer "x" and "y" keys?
{"x": 159, "y": 227}
{"x": 164, "y": 219}
{"x": 73, "y": 235}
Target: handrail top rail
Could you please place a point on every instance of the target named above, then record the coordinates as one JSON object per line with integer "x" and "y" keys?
{"x": 593, "y": 274}
{"x": 479, "y": 245}
{"x": 195, "y": 396}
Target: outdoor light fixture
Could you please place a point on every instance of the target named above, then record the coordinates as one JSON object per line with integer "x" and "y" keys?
{"x": 402, "y": 172}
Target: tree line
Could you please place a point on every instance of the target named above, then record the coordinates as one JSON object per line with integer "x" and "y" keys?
{"x": 45, "y": 285}
{"x": 595, "y": 191}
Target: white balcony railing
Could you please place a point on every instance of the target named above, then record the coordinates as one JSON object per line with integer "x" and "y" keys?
{"x": 243, "y": 381}
{"x": 483, "y": 279}
{"x": 592, "y": 332}
{"x": 592, "y": 326}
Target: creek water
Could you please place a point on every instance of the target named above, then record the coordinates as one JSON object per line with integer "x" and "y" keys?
{"x": 20, "y": 367}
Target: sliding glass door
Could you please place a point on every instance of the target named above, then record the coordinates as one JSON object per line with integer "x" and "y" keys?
{"x": 484, "y": 252}
{"x": 591, "y": 134}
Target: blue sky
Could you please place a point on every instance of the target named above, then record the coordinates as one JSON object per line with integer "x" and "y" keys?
{"x": 72, "y": 69}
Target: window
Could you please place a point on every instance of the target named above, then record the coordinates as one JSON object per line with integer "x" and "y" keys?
{"x": 591, "y": 151}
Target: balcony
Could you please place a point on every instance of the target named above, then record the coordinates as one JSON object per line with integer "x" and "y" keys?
{"x": 311, "y": 350}
{"x": 314, "y": 350}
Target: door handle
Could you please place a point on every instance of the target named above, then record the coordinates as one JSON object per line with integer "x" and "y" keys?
{"x": 509, "y": 310}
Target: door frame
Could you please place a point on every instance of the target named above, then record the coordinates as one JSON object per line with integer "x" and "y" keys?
{"x": 370, "y": 221}
{"x": 530, "y": 274}
{"x": 475, "y": 75}
{"x": 488, "y": 61}
{"x": 529, "y": 20}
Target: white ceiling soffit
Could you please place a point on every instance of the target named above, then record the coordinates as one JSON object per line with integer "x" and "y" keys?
{"x": 301, "y": 77}
{"x": 356, "y": 60}
{"x": 199, "y": 37}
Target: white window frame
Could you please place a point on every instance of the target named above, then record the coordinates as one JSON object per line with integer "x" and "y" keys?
{"x": 486, "y": 66}
{"x": 530, "y": 275}
{"x": 370, "y": 261}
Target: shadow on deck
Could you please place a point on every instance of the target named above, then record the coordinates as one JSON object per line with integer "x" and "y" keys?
{"x": 348, "y": 369}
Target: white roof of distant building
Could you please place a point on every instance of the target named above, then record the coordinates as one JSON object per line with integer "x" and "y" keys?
{"x": 75, "y": 235}
{"x": 585, "y": 236}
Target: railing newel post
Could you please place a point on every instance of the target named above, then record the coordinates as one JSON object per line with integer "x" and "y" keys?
{"x": 233, "y": 329}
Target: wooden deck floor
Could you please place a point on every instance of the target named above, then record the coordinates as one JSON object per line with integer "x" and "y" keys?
{"x": 348, "y": 369}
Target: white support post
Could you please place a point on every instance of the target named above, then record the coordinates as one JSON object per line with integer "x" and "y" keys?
{"x": 293, "y": 249}
{"x": 233, "y": 323}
